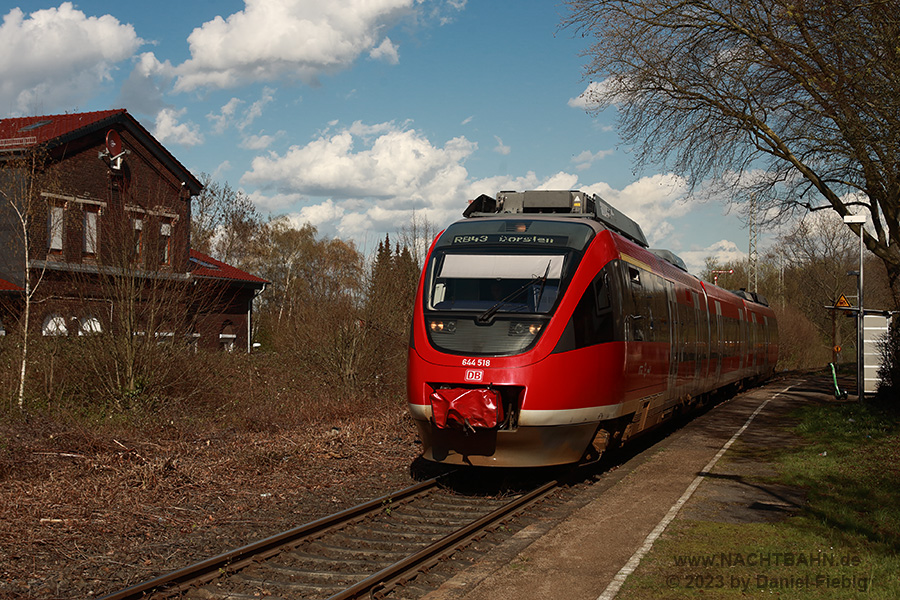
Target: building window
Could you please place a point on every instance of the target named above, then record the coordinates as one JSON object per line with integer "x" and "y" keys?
{"x": 137, "y": 238}
{"x": 91, "y": 231}
{"x": 55, "y": 222}
{"x": 165, "y": 243}
{"x": 89, "y": 325}
{"x": 54, "y": 324}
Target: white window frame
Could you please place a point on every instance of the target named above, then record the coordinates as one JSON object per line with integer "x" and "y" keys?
{"x": 91, "y": 239}
{"x": 137, "y": 229}
{"x": 165, "y": 237}
{"x": 56, "y": 220}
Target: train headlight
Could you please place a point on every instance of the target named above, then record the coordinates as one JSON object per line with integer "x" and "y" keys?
{"x": 442, "y": 326}
{"x": 525, "y": 328}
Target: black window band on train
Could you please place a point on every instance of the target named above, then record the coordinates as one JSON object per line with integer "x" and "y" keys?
{"x": 597, "y": 317}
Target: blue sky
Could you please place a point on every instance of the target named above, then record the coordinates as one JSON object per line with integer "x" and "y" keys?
{"x": 353, "y": 114}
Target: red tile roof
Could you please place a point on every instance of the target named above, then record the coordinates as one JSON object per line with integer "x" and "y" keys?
{"x": 6, "y": 286}
{"x": 203, "y": 265}
{"x": 21, "y": 132}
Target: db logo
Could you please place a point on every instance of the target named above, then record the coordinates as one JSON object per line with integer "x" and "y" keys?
{"x": 474, "y": 375}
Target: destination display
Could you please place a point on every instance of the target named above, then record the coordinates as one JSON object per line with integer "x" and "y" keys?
{"x": 518, "y": 239}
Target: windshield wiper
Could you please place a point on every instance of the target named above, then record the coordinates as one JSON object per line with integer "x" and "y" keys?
{"x": 486, "y": 315}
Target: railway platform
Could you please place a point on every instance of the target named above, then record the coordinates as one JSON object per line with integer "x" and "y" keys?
{"x": 589, "y": 554}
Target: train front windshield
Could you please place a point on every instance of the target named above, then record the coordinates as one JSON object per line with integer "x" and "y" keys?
{"x": 492, "y": 285}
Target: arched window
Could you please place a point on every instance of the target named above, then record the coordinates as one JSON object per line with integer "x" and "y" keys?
{"x": 54, "y": 324}
{"x": 89, "y": 325}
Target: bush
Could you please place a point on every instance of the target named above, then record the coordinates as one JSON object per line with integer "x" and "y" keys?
{"x": 800, "y": 346}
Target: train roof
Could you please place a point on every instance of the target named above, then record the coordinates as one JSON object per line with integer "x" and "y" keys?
{"x": 575, "y": 204}
{"x": 557, "y": 203}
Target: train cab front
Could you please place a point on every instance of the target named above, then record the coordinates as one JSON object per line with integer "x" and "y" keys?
{"x": 482, "y": 383}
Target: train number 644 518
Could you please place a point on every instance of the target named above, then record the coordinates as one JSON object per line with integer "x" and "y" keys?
{"x": 476, "y": 362}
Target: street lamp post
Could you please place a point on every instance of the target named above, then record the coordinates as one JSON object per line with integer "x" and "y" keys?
{"x": 860, "y": 313}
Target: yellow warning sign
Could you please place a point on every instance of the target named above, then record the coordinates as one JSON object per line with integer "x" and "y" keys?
{"x": 842, "y": 302}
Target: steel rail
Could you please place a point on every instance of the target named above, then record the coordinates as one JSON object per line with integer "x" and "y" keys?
{"x": 270, "y": 545}
{"x": 415, "y": 561}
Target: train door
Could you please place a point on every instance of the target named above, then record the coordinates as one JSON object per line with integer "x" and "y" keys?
{"x": 698, "y": 356}
{"x": 674, "y": 337}
{"x": 754, "y": 340}
{"x": 720, "y": 334}
{"x": 703, "y": 339}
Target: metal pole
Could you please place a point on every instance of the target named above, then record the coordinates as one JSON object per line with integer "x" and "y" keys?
{"x": 860, "y": 334}
{"x": 860, "y": 312}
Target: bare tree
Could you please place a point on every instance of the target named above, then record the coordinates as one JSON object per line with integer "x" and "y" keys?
{"x": 313, "y": 307}
{"x": 224, "y": 222}
{"x": 720, "y": 89}
{"x": 22, "y": 179}
{"x": 416, "y": 236}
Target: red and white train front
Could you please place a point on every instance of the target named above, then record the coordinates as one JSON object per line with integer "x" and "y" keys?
{"x": 537, "y": 323}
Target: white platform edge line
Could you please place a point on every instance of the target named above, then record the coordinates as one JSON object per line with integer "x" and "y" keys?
{"x": 616, "y": 584}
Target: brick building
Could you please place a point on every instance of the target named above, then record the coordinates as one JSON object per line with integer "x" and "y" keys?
{"x": 108, "y": 211}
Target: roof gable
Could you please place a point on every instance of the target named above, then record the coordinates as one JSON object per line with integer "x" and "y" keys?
{"x": 19, "y": 133}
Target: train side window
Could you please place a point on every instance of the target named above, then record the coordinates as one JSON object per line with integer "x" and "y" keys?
{"x": 634, "y": 275}
{"x": 601, "y": 294}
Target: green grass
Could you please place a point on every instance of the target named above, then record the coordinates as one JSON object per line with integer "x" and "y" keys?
{"x": 843, "y": 544}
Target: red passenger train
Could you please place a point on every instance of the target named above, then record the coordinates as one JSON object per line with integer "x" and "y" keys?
{"x": 545, "y": 329}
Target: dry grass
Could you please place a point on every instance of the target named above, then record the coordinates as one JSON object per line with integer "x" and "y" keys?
{"x": 93, "y": 498}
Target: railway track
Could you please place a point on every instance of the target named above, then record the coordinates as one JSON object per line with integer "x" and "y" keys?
{"x": 366, "y": 550}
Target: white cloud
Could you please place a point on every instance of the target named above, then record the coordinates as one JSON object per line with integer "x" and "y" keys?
{"x": 220, "y": 171}
{"x": 231, "y": 115}
{"x": 57, "y": 57}
{"x": 256, "y": 109}
{"x": 321, "y": 216}
{"x": 722, "y": 251}
{"x": 585, "y": 159}
{"x": 274, "y": 40}
{"x": 500, "y": 148}
{"x": 362, "y": 180}
{"x": 143, "y": 91}
{"x": 275, "y": 203}
{"x": 169, "y": 130}
{"x": 559, "y": 181}
{"x": 257, "y": 142}
{"x": 610, "y": 91}
{"x": 588, "y": 98}
{"x": 366, "y": 161}
{"x": 386, "y": 51}
{"x": 225, "y": 117}
{"x": 365, "y": 179}
{"x": 650, "y": 201}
